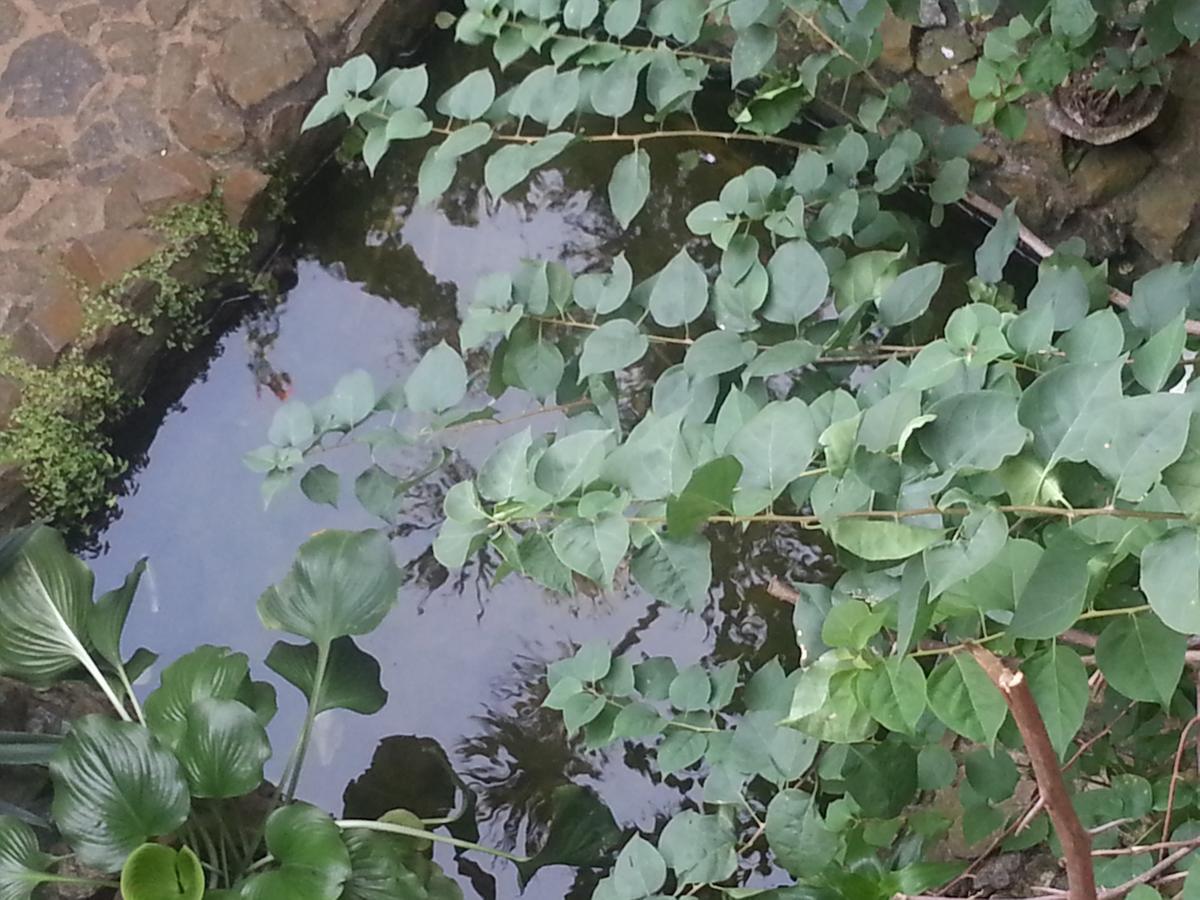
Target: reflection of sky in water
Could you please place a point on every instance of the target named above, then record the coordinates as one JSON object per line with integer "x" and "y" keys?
{"x": 454, "y": 658}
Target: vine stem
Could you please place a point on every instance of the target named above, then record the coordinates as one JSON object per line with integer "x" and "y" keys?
{"x": 635, "y": 138}
{"x": 1075, "y": 840}
{"x": 296, "y": 763}
{"x": 405, "y": 831}
{"x": 1175, "y": 768}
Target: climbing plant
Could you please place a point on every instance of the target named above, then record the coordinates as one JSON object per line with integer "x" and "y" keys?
{"x": 1007, "y": 477}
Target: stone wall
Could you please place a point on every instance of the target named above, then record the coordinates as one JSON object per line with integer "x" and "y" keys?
{"x": 1135, "y": 201}
{"x": 115, "y": 111}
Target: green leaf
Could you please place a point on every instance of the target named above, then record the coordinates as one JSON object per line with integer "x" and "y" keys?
{"x": 799, "y": 283}
{"x": 342, "y": 583}
{"x": 965, "y": 700}
{"x": 614, "y": 94}
{"x": 594, "y": 549}
{"x": 351, "y": 677}
{"x": 312, "y": 862}
{"x": 895, "y": 696}
{"x": 1170, "y": 579}
{"x": 752, "y": 52}
{"x": 950, "y": 185}
{"x": 223, "y": 750}
{"x": 675, "y": 570}
{"x": 208, "y": 672}
{"x": 1071, "y": 18}
{"x": 680, "y": 749}
{"x": 630, "y": 185}
{"x": 292, "y": 426}
{"x": 879, "y": 539}
{"x": 998, "y": 245}
{"x": 621, "y": 17}
{"x": 20, "y": 748}
{"x": 115, "y": 788}
{"x": 571, "y": 463}
{"x": 1058, "y": 681}
{"x": 908, "y": 296}
{"x": 691, "y": 690}
{"x": 882, "y": 778}
{"x": 470, "y": 98}
{"x": 1142, "y": 658}
{"x": 973, "y": 431}
{"x": 1064, "y": 292}
{"x": 653, "y": 677}
{"x": 709, "y": 491}
{"x": 639, "y": 873}
{"x": 1137, "y": 439}
{"x": 582, "y": 833}
{"x": 850, "y": 624}
{"x": 505, "y": 473}
{"x": 775, "y": 446}
{"x": 797, "y": 834}
{"x": 1154, "y": 361}
{"x": 1056, "y": 591}
{"x": 23, "y": 866}
{"x": 47, "y": 604}
{"x": 699, "y": 848}
{"x": 638, "y": 720}
{"x": 158, "y": 872}
{"x": 1062, "y": 406}
{"x": 438, "y": 382}
{"x": 533, "y": 364}
{"x": 321, "y": 485}
{"x": 717, "y": 352}
{"x": 106, "y": 620}
{"x": 946, "y": 565}
{"x": 680, "y": 292}
{"x": 613, "y": 346}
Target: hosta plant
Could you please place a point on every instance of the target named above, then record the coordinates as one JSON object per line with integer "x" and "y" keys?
{"x": 1008, "y": 477}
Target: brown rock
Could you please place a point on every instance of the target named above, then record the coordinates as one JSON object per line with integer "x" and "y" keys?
{"x": 38, "y": 150}
{"x": 277, "y": 132}
{"x": 48, "y": 330}
{"x": 79, "y": 21}
{"x": 121, "y": 206}
{"x": 155, "y": 185}
{"x": 167, "y": 13}
{"x": 139, "y": 125}
{"x": 207, "y": 124}
{"x": 324, "y": 16}
{"x": 955, "y": 91}
{"x": 102, "y": 258}
{"x": 942, "y": 49}
{"x": 896, "y": 36}
{"x": 49, "y": 75}
{"x": 66, "y": 214}
{"x": 132, "y": 47}
{"x": 258, "y": 59}
{"x": 97, "y": 143}
{"x": 1104, "y": 172}
{"x": 13, "y": 186}
{"x": 1163, "y": 207}
{"x": 11, "y": 21}
{"x": 177, "y": 73}
{"x": 240, "y": 189}
{"x": 1038, "y": 133}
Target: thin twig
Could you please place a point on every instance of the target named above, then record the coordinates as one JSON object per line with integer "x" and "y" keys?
{"x": 1179, "y": 749}
{"x": 1074, "y": 838}
{"x": 1147, "y": 848}
{"x": 640, "y": 136}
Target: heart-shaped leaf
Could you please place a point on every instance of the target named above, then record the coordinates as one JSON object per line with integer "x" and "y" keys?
{"x": 313, "y": 862}
{"x": 22, "y": 863}
{"x": 115, "y": 787}
{"x": 351, "y": 679}
{"x": 223, "y": 749}
{"x": 159, "y": 872}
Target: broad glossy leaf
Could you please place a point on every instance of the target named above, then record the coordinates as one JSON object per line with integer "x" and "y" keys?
{"x": 895, "y": 696}
{"x": 1056, "y": 591}
{"x": 207, "y": 672}
{"x": 999, "y": 583}
{"x": 675, "y": 570}
{"x": 159, "y": 872}
{"x": 223, "y": 750}
{"x": 973, "y": 431}
{"x": 342, "y": 583}
{"x": 699, "y": 848}
{"x": 1136, "y": 438}
{"x": 1141, "y": 657}
{"x": 312, "y": 862}
{"x": 571, "y": 463}
{"x": 680, "y": 292}
{"x": 582, "y": 832}
{"x": 613, "y": 346}
{"x": 630, "y": 185}
{"x": 106, "y": 620}
{"x": 321, "y": 484}
{"x": 438, "y": 382}
{"x": 1059, "y": 683}
{"x": 115, "y": 788}
{"x": 1171, "y": 579}
{"x": 22, "y": 863}
{"x": 948, "y": 564}
{"x": 799, "y": 283}
{"x": 47, "y": 604}
{"x": 1062, "y": 406}
{"x": 964, "y": 698}
{"x": 798, "y": 835}
{"x": 351, "y": 677}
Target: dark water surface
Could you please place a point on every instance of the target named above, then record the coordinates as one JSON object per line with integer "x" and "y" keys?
{"x": 379, "y": 283}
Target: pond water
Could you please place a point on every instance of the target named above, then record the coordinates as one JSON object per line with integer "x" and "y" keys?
{"x": 379, "y": 282}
